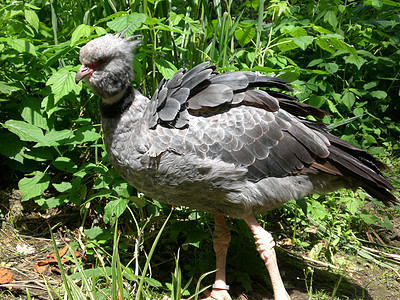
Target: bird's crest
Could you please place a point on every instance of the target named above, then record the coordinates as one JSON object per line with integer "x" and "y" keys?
{"x": 129, "y": 38}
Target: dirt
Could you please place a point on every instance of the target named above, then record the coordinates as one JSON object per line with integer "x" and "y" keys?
{"x": 25, "y": 244}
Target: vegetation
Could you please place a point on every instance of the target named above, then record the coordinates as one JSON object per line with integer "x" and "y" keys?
{"x": 342, "y": 56}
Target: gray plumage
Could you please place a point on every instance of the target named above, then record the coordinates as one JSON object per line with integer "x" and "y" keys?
{"x": 217, "y": 143}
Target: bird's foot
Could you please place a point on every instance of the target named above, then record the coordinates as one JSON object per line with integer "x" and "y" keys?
{"x": 218, "y": 294}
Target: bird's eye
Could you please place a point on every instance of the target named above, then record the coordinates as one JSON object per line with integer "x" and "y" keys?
{"x": 93, "y": 65}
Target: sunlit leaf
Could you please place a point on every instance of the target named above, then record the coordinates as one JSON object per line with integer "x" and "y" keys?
{"x": 62, "y": 83}
{"x": 244, "y": 34}
{"x": 303, "y": 41}
{"x": 166, "y": 68}
{"x": 7, "y": 89}
{"x": 81, "y": 31}
{"x": 32, "y": 18}
{"x": 114, "y": 209}
{"x": 20, "y": 45}
{"x": 33, "y": 186}
{"x": 120, "y": 23}
{"x": 47, "y": 203}
{"x": 25, "y": 131}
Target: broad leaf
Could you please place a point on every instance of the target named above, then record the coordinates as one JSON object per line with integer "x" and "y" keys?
{"x": 55, "y": 138}
{"x": 52, "y": 202}
{"x": 114, "y": 209}
{"x": 63, "y": 82}
{"x": 32, "y": 18}
{"x": 244, "y": 34}
{"x": 166, "y": 68}
{"x": 11, "y": 146}
{"x": 331, "y": 68}
{"x": 7, "y": 89}
{"x": 84, "y": 134}
{"x": 25, "y": 131}
{"x": 31, "y": 187}
{"x": 331, "y": 18}
{"x": 357, "y": 61}
{"x": 348, "y": 99}
{"x": 20, "y": 45}
{"x": 379, "y": 94}
{"x": 120, "y": 23}
{"x": 303, "y": 41}
{"x": 65, "y": 164}
{"x": 81, "y": 31}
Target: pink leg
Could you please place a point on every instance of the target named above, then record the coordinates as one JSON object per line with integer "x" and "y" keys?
{"x": 221, "y": 240}
{"x": 265, "y": 246}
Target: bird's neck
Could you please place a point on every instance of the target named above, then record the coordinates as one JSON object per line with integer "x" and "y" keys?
{"x": 116, "y": 105}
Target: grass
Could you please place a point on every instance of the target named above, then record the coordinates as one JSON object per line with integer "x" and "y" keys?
{"x": 116, "y": 276}
{"x": 48, "y": 126}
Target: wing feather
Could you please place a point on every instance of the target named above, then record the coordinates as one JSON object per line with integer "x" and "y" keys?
{"x": 223, "y": 116}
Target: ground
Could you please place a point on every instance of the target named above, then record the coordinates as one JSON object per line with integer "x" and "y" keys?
{"x": 27, "y": 262}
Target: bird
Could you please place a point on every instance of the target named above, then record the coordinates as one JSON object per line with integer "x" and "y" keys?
{"x": 233, "y": 144}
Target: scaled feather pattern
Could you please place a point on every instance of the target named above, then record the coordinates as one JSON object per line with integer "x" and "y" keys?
{"x": 235, "y": 144}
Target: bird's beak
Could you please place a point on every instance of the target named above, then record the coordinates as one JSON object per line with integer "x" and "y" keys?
{"x": 83, "y": 72}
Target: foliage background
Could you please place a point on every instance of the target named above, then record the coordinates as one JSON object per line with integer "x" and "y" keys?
{"x": 342, "y": 56}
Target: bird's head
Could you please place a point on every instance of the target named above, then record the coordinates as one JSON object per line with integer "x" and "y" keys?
{"x": 107, "y": 65}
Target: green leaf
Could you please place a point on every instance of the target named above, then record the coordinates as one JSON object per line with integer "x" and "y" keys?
{"x": 333, "y": 43}
{"x": 166, "y": 68}
{"x": 120, "y": 23}
{"x": 20, "y": 45}
{"x": 387, "y": 224}
{"x": 379, "y": 94}
{"x": 33, "y": 186}
{"x": 25, "y": 131}
{"x": 52, "y": 202}
{"x": 331, "y": 18}
{"x": 81, "y": 31}
{"x": 317, "y": 210}
{"x": 84, "y": 134}
{"x": 369, "y": 218}
{"x": 38, "y": 154}
{"x": 353, "y": 205}
{"x": 11, "y": 146}
{"x": 194, "y": 25}
{"x": 331, "y": 67}
{"x": 357, "y": 61}
{"x": 114, "y": 209}
{"x": 97, "y": 233}
{"x": 303, "y": 41}
{"x": 63, "y": 82}
{"x": 8, "y": 88}
{"x": 32, "y": 18}
{"x": 65, "y": 164}
{"x": 63, "y": 186}
{"x": 370, "y": 85}
{"x": 315, "y": 62}
{"x": 348, "y": 99}
{"x": 55, "y": 138}
{"x": 244, "y": 34}
{"x": 33, "y": 114}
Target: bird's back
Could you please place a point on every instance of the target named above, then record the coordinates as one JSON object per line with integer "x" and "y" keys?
{"x": 213, "y": 142}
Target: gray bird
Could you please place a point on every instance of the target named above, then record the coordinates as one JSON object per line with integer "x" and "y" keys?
{"x": 228, "y": 144}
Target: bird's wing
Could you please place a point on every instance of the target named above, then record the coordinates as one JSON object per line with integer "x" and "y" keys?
{"x": 222, "y": 115}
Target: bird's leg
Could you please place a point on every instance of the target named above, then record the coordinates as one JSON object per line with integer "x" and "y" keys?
{"x": 265, "y": 246}
{"x": 221, "y": 240}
